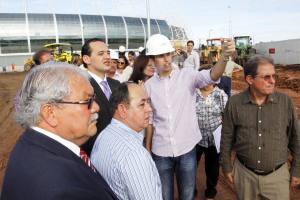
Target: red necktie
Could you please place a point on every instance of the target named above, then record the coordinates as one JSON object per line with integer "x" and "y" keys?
{"x": 86, "y": 159}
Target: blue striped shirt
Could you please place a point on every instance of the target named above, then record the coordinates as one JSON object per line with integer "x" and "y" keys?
{"x": 119, "y": 155}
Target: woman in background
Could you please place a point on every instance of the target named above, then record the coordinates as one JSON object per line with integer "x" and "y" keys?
{"x": 143, "y": 69}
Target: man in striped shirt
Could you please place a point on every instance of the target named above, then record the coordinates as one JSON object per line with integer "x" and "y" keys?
{"x": 118, "y": 153}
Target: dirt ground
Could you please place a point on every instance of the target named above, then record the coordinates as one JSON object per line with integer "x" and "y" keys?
{"x": 289, "y": 82}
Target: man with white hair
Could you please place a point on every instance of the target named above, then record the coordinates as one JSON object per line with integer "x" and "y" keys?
{"x": 56, "y": 107}
{"x": 174, "y": 126}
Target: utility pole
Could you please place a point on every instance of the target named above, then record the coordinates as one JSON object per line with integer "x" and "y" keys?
{"x": 148, "y": 18}
{"x": 229, "y": 22}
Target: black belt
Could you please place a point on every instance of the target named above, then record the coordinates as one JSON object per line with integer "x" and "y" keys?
{"x": 259, "y": 172}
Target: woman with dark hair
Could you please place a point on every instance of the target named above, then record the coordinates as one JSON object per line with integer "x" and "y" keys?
{"x": 122, "y": 63}
{"x": 143, "y": 69}
{"x": 124, "y": 70}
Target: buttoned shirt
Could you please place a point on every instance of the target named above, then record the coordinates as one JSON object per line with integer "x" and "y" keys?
{"x": 173, "y": 101}
{"x": 209, "y": 111}
{"x": 118, "y": 154}
{"x": 261, "y": 134}
{"x": 192, "y": 61}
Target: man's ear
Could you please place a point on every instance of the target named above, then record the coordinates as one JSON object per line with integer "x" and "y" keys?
{"x": 249, "y": 79}
{"x": 86, "y": 59}
{"x": 122, "y": 110}
{"x": 48, "y": 115}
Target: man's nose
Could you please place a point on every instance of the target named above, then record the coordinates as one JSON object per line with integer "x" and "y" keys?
{"x": 95, "y": 107}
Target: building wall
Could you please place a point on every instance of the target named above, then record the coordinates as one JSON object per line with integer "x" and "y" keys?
{"x": 287, "y": 52}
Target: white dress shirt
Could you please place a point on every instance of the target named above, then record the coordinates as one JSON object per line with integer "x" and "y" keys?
{"x": 70, "y": 145}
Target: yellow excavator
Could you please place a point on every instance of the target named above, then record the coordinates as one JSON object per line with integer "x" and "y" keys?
{"x": 62, "y": 52}
{"x": 210, "y": 54}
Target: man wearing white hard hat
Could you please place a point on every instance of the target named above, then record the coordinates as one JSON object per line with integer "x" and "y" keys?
{"x": 174, "y": 131}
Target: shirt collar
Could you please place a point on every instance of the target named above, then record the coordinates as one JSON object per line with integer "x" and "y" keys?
{"x": 137, "y": 135}
{"x": 70, "y": 145}
{"x": 96, "y": 77}
{"x": 156, "y": 74}
{"x": 270, "y": 99}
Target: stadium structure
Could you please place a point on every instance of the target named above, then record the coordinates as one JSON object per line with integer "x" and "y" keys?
{"x": 21, "y": 34}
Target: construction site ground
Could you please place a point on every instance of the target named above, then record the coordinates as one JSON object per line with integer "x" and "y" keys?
{"x": 289, "y": 83}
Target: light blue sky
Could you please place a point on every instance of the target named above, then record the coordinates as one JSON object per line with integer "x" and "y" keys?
{"x": 264, "y": 20}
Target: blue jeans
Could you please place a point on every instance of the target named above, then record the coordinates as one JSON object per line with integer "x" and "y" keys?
{"x": 184, "y": 167}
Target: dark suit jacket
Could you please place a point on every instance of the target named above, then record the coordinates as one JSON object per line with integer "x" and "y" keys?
{"x": 40, "y": 168}
{"x": 104, "y": 114}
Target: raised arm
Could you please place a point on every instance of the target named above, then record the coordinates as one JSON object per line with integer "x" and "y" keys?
{"x": 228, "y": 49}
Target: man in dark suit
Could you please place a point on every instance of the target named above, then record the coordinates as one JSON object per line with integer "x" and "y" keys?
{"x": 96, "y": 59}
{"x": 56, "y": 106}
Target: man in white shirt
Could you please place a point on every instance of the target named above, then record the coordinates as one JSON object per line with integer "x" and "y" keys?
{"x": 192, "y": 59}
{"x": 96, "y": 58}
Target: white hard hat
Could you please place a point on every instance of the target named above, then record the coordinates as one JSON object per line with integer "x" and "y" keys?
{"x": 158, "y": 44}
{"x": 122, "y": 49}
{"x": 141, "y": 49}
{"x": 113, "y": 54}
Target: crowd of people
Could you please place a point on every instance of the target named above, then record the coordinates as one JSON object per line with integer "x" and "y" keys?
{"x": 123, "y": 126}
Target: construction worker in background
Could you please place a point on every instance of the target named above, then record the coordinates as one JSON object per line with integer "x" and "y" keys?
{"x": 173, "y": 131}
{"x": 193, "y": 59}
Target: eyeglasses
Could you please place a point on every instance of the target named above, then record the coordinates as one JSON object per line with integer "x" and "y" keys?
{"x": 88, "y": 102}
{"x": 268, "y": 77}
{"x": 122, "y": 63}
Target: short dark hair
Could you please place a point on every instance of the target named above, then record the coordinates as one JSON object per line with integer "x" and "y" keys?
{"x": 131, "y": 53}
{"x": 86, "y": 48}
{"x": 37, "y": 56}
{"x": 119, "y": 95}
{"x": 190, "y": 41}
{"x": 250, "y": 68}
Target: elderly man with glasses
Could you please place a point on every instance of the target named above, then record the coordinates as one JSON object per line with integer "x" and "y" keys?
{"x": 261, "y": 125}
{"x": 56, "y": 107}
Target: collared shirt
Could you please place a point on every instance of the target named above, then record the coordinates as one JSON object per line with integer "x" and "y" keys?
{"x": 125, "y": 74}
{"x": 98, "y": 79}
{"x": 209, "y": 112}
{"x": 192, "y": 60}
{"x": 260, "y": 134}
{"x": 70, "y": 145}
{"x": 173, "y": 101}
{"x": 118, "y": 154}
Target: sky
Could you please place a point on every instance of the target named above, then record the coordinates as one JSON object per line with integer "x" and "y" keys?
{"x": 263, "y": 20}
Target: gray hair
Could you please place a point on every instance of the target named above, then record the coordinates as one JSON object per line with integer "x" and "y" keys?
{"x": 47, "y": 83}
